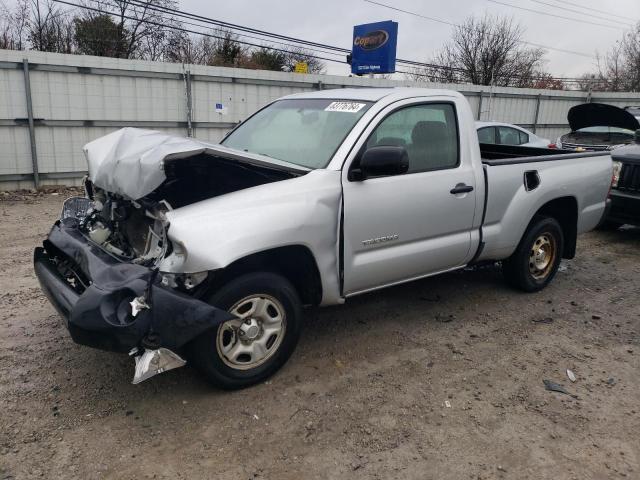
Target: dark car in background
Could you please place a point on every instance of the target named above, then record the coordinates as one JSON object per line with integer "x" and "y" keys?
{"x": 624, "y": 205}
{"x": 597, "y": 126}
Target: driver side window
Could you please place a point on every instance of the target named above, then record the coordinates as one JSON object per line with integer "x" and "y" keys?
{"x": 428, "y": 132}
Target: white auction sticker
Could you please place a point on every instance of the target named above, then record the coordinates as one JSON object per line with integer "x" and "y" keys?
{"x": 350, "y": 107}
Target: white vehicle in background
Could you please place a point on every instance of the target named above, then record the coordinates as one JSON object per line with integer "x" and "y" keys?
{"x": 497, "y": 133}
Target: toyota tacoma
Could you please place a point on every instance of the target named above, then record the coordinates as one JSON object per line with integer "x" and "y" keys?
{"x": 183, "y": 250}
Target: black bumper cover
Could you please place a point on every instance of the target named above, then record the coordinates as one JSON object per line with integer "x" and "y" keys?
{"x": 625, "y": 207}
{"x": 100, "y": 316}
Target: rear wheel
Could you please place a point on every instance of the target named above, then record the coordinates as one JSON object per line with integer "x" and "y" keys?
{"x": 537, "y": 258}
{"x": 253, "y": 346}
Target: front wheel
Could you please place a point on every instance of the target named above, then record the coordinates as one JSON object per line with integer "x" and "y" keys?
{"x": 537, "y": 258}
{"x": 252, "y": 347}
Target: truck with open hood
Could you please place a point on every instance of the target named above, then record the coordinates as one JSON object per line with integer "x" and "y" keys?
{"x": 183, "y": 250}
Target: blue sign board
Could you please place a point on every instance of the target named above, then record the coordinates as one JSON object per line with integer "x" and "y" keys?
{"x": 374, "y": 48}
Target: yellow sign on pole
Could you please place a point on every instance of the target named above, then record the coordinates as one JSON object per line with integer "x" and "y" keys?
{"x": 302, "y": 67}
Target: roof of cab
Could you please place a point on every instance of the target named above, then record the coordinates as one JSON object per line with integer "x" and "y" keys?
{"x": 374, "y": 94}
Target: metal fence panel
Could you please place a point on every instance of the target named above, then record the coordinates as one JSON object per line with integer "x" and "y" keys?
{"x": 76, "y": 99}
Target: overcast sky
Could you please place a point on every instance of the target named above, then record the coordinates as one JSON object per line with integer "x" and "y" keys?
{"x": 331, "y": 22}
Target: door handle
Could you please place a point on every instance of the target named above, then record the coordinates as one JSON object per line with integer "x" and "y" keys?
{"x": 461, "y": 188}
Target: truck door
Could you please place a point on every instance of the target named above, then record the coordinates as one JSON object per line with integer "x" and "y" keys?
{"x": 406, "y": 226}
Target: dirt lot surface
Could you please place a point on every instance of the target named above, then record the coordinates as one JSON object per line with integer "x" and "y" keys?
{"x": 439, "y": 379}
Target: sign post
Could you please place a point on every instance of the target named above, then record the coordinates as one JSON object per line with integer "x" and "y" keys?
{"x": 374, "y": 48}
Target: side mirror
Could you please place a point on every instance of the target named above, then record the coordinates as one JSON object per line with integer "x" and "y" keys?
{"x": 381, "y": 161}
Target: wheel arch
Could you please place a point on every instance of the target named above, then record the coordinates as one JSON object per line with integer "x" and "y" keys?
{"x": 565, "y": 211}
{"x": 294, "y": 262}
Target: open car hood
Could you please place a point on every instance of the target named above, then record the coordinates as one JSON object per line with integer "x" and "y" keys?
{"x": 600, "y": 115}
{"x": 130, "y": 161}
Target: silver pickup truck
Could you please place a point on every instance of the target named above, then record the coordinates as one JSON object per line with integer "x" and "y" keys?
{"x": 184, "y": 249}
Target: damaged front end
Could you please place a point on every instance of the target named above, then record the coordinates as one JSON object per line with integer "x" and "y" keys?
{"x": 102, "y": 275}
{"x": 109, "y": 266}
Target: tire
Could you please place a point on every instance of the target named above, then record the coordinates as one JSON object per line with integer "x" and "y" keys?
{"x": 215, "y": 352}
{"x": 530, "y": 272}
{"x": 609, "y": 226}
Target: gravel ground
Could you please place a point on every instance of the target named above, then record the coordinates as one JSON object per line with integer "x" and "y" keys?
{"x": 438, "y": 379}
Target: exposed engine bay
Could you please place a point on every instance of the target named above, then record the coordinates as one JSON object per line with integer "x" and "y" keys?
{"x": 136, "y": 230}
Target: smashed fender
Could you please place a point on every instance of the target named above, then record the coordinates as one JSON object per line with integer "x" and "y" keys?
{"x": 301, "y": 211}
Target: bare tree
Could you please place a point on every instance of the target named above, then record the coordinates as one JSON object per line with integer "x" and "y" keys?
{"x": 619, "y": 69}
{"x": 611, "y": 68}
{"x": 141, "y": 25}
{"x": 42, "y": 14}
{"x": 49, "y": 28}
{"x": 545, "y": 81}
{"x": 591, "y": 81}
{"x": 154, "y": 46}
{"x": 13, "y": 25}
{"x": 485, "y": 51}
{"x": 217, "y": 47}
{"x": 136, "y": 29}
{"x": 631, "y": 59}
{"x": 184, "y": 48}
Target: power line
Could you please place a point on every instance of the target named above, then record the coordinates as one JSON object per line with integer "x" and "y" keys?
{"x": 554, "y": 15}
{"x": 579, "y": 12}
{"x": 227, "y": 25}
{"x": 593, "y": 9}
{"x": 174, "y": 27}
{"x": 186, "y": 30}
{"x": 270, "y": 35}
{"x": 235, "y": 26}
{"x": 244, "y": 35}
{"x": 232, "y": 26}
{"x": 412, "y": 13}
{"x": 458, "y": 25}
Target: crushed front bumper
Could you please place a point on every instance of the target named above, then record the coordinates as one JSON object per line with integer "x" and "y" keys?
{"x": 96, "y": 304}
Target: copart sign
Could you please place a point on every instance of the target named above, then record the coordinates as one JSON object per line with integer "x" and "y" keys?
{"x": 374, "y": 48}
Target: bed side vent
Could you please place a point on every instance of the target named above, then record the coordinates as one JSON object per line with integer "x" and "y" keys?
{"x": 531, "y": 180}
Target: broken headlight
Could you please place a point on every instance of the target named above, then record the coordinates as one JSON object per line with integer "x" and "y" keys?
{"x": 76, "y": 207}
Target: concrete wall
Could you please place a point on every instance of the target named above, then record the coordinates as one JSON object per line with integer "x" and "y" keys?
{"x": 76, "y": 99}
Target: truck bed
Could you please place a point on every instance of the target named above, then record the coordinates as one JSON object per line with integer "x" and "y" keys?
{"x": 519, "y": 180}
{"x": 496, "y": 155}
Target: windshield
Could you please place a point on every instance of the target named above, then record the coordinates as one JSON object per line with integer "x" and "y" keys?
{"x": 305, "y": 132}
{"x": 606, "y": 130}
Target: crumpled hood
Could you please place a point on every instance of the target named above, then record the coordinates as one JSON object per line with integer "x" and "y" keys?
{"x": 130, "y": 161}
{"x": 600, "y": 115}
